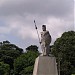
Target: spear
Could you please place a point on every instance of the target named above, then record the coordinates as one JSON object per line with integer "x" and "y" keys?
{"x": 37, "y": 31}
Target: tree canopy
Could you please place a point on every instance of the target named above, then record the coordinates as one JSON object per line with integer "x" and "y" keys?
{"x": 64, "y": 51}
{"x": 4, "y": 69}
{"x": 24, "y": 64}
{"x": 32, "y": 48}
{"x": 9, "y": 52}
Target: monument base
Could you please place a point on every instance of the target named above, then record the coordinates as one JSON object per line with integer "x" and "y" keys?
{"x": 45, "y": 65}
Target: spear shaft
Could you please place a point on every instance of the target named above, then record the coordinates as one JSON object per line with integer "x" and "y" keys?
{"x": 37, "y": 31}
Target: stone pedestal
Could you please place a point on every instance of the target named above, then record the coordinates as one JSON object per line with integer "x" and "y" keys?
{"x": 45, "y": 65}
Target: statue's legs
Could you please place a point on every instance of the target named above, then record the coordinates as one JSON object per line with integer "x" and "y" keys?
{"x": 43, "y": 49}
{"x": 47, "y": 49}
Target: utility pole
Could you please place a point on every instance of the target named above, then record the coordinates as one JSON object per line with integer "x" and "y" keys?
{"x": 59, "y": 67}
{"x": 59, "y": 60}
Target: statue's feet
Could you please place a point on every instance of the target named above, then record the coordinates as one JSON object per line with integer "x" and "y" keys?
{"x": 51, "y": 55}
{"x": 41, "y": 54}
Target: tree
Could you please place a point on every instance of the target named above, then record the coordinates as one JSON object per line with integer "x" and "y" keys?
{"x": 32, "y": 48}
{"x": 6, "y": 45}
{"x": 9, "y": 52}
{"x": 4, "y": 69}
{"x": 64, "y": 50}
{"x": 24, "y": 64}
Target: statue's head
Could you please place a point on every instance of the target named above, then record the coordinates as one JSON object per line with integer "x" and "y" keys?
{"x": 44, "y": 27}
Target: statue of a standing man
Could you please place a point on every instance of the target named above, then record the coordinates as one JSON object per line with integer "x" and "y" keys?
{"x": 45, "y": 41}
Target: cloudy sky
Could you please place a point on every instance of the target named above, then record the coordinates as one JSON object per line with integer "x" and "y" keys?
{"x": 17, "y": 16}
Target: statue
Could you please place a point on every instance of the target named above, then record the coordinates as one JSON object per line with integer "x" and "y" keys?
{"x": 45, "y": 64}
{"x": 45, "y": 41}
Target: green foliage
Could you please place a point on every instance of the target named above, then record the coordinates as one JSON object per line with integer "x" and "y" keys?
{"x": 23, "y": 65}
{"x": 4, "y": 69}
{"x": 9, "y": 52}
{"x": 9, "y": 46}
{"x": 64, "y": 50}
{"x": 27, "y": 71}
{"x": 32, "y": 48}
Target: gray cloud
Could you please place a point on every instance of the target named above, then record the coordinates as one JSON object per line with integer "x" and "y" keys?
{"x": 43, "y": 7}
{"x": 18, "y": 15}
